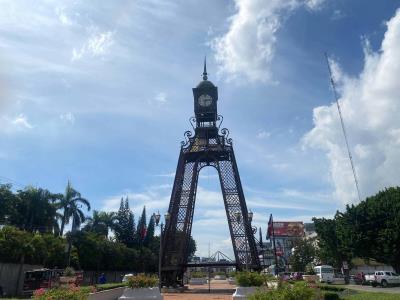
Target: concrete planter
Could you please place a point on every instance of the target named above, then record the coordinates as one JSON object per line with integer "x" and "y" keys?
{"x": 242, "y": 292}
{"x": 65, "y": 280}
{"x": 310, "y": 278}
{"x": 272, "y": 284}
{"x": 111, "y": 294}
{"x": 198, "y": 281}
{"x": 141, "y": 294}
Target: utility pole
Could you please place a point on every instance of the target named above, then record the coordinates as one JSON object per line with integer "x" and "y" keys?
{"x": 273, "y": 240}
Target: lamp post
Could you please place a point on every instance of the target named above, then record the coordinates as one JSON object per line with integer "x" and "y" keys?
{"x": 157, "y": 218}
{"x": 238, "y": 216}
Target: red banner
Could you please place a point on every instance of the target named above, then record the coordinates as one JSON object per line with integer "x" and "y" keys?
{"x": 287, "y": 229}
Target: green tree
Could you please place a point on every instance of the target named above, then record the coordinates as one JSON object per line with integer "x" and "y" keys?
{"x": 141, "y": 227}
{"x": 149, "y": 238}
{"x": 38, "y": 209}
{"x": 304, "y": 253}
{"x": 8, "y": 208}
{"x": 328, "y": 251}
{"x": 125, "y": 224}
{"x": 192, "y": 247}
{"x": 70, "y": 204}
{"x": 366, "y": 230}
{"x": 14, "y": 243}
{"x": 101, "y": 222}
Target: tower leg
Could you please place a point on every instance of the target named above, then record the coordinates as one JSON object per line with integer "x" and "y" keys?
{"x": 244, "y": 246}
{"x": 178, "y": 229}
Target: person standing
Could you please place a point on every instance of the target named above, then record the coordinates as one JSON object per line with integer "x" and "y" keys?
{"x": 102, "y": 278}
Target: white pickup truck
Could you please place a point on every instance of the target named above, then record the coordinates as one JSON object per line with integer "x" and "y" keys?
{"x": 383, "y": 278}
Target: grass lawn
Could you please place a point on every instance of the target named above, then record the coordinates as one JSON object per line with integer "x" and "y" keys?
{"x": 372, "y": 296}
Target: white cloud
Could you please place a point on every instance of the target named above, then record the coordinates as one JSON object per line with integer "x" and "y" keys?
{"x": 168, "y": 175}
{"x": 62, "y": 16}
{"x": 314, "y": 4}
{"x": 371, "y": 108}
{"x": 337, "y": 15}
{"x": 247, "y": 49}
{"x": 97, "y": 45}
{"x": 262, "y": 134}
{"x": 248, "y": 46}
{"x": 21, "y": 122}
{"x": 68, "y": 117}
{"x": 154, "y": 198}
{"x": 17, "y": 124}
{"x": 161, "y": 98}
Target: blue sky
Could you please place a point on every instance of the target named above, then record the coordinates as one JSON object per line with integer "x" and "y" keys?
{"x": 100, "y": 94}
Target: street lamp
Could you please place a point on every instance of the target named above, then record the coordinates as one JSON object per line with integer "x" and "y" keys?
{"x": 157, "y": 218}
{"x": 250, "y": 216}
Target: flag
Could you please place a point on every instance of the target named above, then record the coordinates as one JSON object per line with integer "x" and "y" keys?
{"x": 143, "y": 232}
{"x": 270, "y": 225}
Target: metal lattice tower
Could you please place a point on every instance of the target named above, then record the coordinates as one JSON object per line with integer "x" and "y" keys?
{"x": 343, "y": 127}
{"x": 209, "y": 146}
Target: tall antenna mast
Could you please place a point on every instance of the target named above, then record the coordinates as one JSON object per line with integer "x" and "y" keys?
{"x": 343, "y": 127}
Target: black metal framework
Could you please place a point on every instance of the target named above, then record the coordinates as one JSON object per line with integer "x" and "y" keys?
{"x": 209, "y": 146}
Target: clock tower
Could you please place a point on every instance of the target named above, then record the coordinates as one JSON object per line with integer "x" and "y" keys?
{"x": 209, "y": 146}
{"x": 205, "y": 101}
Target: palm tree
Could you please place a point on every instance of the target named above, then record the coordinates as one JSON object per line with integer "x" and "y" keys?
{"x": 38, "y": 209}
{"x": 101, "y": 222}
{"x": 70, "y": 204}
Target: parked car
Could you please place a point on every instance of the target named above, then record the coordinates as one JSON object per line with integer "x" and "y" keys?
{"x": 126, "y": 277}
{"x": 383, "y": 278}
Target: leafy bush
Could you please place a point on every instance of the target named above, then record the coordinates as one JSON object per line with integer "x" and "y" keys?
{"x": 331, "y": 288}
{"x": 270, "y": 277}
{"x": 65, "y": 293}
{"x": 69, "y": 271}
{"x": 310, "y": 269}
{"x": 298, "y": 291}
{"x": 232, "y": 274}
{"x": 142, "y": 281}
{"x": 250, "y": 279}
{"x": 109, "y": 286}
{"x": 331, "y": 296}
{"x": 219, "y": 273}
{"x": 198, "y": 275}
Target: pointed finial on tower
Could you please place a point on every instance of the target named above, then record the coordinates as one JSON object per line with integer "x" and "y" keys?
{"x": 205, "y": 69}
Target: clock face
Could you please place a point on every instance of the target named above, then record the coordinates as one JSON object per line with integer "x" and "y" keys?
{"x": 205, "y": 100}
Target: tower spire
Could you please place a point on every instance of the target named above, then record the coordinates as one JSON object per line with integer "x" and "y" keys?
{"x": 205, "y": 69}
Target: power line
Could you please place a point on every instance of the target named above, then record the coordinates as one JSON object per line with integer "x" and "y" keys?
{"x": 343, "y": 127}
{"x": 9, "y": 180}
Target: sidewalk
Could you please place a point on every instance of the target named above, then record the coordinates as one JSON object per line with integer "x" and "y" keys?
{"x": 196, "y": 292}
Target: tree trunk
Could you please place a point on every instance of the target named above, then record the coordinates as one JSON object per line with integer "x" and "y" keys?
{"x": 62, "y": 225}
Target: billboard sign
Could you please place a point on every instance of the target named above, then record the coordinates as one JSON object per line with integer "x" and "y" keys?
{"x": 295, "y": 229}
